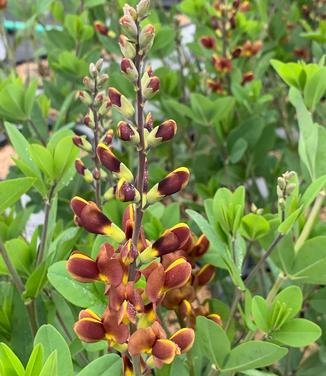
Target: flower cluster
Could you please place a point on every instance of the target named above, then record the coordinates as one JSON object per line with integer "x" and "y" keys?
{"x": 223, "y": 53}
{"x": 139, "y": 275}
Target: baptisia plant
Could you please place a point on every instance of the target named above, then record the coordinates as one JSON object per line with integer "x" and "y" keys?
{"x": 139, "y": 275}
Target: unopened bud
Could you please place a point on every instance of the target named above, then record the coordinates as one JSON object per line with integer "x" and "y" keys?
{"x": 99, "y": 98}
{"x": 102, "y": 79}
{"x": 120, "y": 102}
{"x": 208, "y": 42}
{"x": 107, "y": 138}
{"x": 99, "y": 64}
{"x": 82, "y": 143}
{"x": 92, "y": 70}
{"x": 128, "y": 68}
{"x": 152, "y": 87}
{"x": 146, "y": 37}
{"x": 80, "y": 167}
{"x": 163, "y": 132}
{"x": 126, "y": 132}
{"x": 105, "y": 108}
{"x": 89, "y": 119}
{"x": 88, "y": 83}
{"x": 143, "y": 8}
{"x": 84, "y": 97}
{"x": 129, "y": 27}
{"x": 96, "y": 174}
{"x": 149, "y": 122}
{"x": 127, "y": 48}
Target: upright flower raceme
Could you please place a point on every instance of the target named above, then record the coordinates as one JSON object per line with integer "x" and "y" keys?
{"x": 139, "y": 275}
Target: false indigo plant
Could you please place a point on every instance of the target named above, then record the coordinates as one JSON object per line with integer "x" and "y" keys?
{"x": 167, "y": 266}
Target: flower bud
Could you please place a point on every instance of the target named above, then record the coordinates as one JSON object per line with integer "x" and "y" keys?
{"x": 92, "y": 70}
{"x": 143, "y": 8}
{"x": 101, "y": 28}
{"x": 126, "y": 192}
{"x": 152, "y": 87}
{"x": 164, "y": 132}
{"x": 80, "y": 167}
{"x": 102, "y": 79}
{"x": 105, "y": 107}
{"x": 128, "y": 68}
{"x": 84, "y": 97}
{"x": 247, "y": 77}
{"x": 98, "y": 100}
{"x": 120, "y": 102}
{"x": 91, "y": 218}
{"x": 107, "y": 138}
{"x": 128, "y": 27}
{"x": 146, "y": 37}
{"x": 208, "y": 42}
{"x": 127, "y": 48}
{"x": 82, "y": 143}
{"x": 126, "y": 132}
{"x": 99, "y": 64}
{"x": 89, "y": 119}
{"x": 113, "y": 164}
{"x": 88, "y": 83}
{"x": 149, "y": 122}
{"x": 172, "y": 183}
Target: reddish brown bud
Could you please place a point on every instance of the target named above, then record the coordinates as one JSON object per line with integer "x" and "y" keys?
{"x": 208, "y": 42}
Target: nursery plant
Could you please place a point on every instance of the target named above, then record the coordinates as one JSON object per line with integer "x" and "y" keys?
{"x": 183, "y": 222}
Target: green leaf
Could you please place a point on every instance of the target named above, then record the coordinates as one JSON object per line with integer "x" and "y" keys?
{"x": 9, "y": 362}
{"x": 110, "y": 364}
{"x": 35, "y": 361}
{"x": 43, "y": 158}
{"x": 51, "y": 366}
{"x": 261, "y": 313}
{"x": 80, "y": 294}
{"x": 11, "y": 191}
{"x": 297, "y": 333}
{"x": 254, "y": 226}
{"x": 286, "y": 226}
{"x": 315, "y": 88}
{"x": 253, "y": 354}
{"x": 292, "y": 297}
{"x": 52, "y": 340}
{"x": 310, "y": 261}
{"x": 212, "y": 340}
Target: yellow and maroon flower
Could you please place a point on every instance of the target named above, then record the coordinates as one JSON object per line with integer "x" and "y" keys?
{"x": 121, "y": 103}
{"x": 173, "y": 239}
{"x": 159, "y": 280}
{"x": 107, "y": 267}
{"x": 222, "y": 64}
{"x": 164, "y": 132}
{"x": 208, "y": 42}
{"x": 89, "y": 216}
{"x": 172, "y": 183}
{"x": 152, "y": 340}
{"x": 113, "y": 164}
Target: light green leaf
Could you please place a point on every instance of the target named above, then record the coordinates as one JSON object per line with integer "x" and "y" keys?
{"x": 11, "y": 191}
{"x": 253, "y": 354}
{"x": 297, "y": 333}
{"x": 51, "y": 341}
{"x": 212, "y": 340}
{"x": 109, "y": 364}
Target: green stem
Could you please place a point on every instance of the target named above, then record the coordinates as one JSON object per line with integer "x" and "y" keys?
{"x": 310, "y": 221}
{"x": 47, "y": 209}
{"x": 20, "y": 287}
